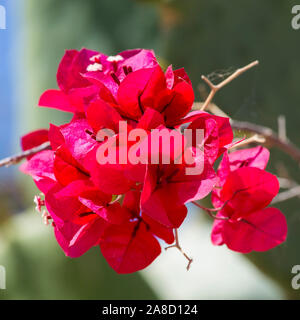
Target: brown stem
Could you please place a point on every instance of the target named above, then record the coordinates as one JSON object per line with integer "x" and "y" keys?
{"x": 177, "y": 246}
{"x": 23, "y": 155}
{"x": 254, "y": 139}
{"x": 215, "y": 88}
{"x": 210, "y": 211}
{"x": 271, "y": 137}
{"x": 279, "y": 141}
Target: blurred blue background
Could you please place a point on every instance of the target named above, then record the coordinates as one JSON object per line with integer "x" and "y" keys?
{"x": 6, "y": 79}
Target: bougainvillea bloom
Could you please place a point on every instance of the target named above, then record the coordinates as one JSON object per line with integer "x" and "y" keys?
{"x": 218, "y": 133}
{"x": 170, "y": 94}
{"x": 86, "y": 74}
{"x": 257, "y": 157}
{"x": 130, "y": 208}
{"x": 245, "y": 223}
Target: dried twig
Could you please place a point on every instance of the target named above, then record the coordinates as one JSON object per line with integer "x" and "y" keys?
{"x": 270, "y": 136}
{"x": 210, "y": 211}
{"x": 23, "y": 155}
{"x": 281, "y": 142}
{"x": 177, "y": 246}
{"x": 215, "y": 88}
{"x": 254, "y": 139}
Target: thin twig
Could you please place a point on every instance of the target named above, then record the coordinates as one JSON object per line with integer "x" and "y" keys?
{"x": 177, "y": 246}
{"x": 210, "y": 211}
{"x": 254, "y": 139}
{"x": 23, "y": 155}
{"x": 271, "y": 137}
{"x": 215, "y": 88}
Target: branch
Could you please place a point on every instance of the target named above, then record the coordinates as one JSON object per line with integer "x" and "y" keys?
{"x": 270, "y": 136}
{"x": 23, "y": 155}
{"x": 210, "y": 211}
{"x": 215, "y": 88}
{"x": 279, "y": 141}
{"x": 177, "y": 246}
{"x": 254, "y": 139}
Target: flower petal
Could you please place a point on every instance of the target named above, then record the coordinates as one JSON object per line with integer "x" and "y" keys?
{"x": 260, "y": 231}
{"x": 247, "y": 190}
{"x": 129, "y": 248}
{"x": 75, "y": 240}
{"x": 101, "y": 115}
{"x": 130, "y": 91}
{"x": 34, "y": 139}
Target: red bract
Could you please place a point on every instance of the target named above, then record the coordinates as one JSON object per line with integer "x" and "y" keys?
{"x": 130, "y": 247}
{"x": 76, "y": 239}
{"x": 217, "y": 136}
{"x": 262, "y": 230}
{"x": 113, "y": 176}
{"x": 165, "y": 182}
{"x": 126, "y": 205}
{"x": 84, "y": 75}
{"x": 247, "y": 190}
{"x": 257, "y": 157}
{"x": 40, "y": 167}
{"x": 170, "y": 95}
{"x": 34, "y": 139}
{"x": 249, "y": 226}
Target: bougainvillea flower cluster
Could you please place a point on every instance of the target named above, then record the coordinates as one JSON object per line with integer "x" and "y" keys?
{"x": 130, "y": 210}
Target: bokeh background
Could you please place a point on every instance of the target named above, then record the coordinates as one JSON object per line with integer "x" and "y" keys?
{"x": 201, "y": 35}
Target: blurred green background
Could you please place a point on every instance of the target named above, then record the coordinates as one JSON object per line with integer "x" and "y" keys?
{"x": 203, "y": 36}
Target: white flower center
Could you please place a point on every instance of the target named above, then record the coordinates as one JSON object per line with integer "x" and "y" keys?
{"x": 116, "y": 58}
{"x": 95, "y": 58}
{"x": 94, "y": 67}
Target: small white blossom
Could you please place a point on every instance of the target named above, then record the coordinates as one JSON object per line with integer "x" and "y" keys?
{"x": 95, "y": 58}
{"x": 39, "y": 203}
{"x": 116, "y": 58}
{"x": 46, "y": 217}
{"x": 94, "y": 67}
